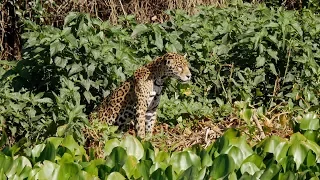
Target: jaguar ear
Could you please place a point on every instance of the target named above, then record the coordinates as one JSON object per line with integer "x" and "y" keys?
{"x": 185, "y": 55}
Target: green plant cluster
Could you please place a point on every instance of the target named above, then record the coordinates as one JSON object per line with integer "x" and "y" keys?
{"x": 229, "y": 157}
{"x": 243, "y": 52}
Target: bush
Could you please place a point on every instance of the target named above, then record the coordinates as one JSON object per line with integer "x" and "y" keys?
{"x": 229, "y": 157}
{"x": 263, "y": 56}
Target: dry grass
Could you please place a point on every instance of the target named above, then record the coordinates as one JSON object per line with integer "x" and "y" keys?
{"x": 203, "y": 132}
{"x": 144, "y": 10}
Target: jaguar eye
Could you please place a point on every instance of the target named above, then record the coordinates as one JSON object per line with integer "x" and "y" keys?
{"x": 180, "y": 68}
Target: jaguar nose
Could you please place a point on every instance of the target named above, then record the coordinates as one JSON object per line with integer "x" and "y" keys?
{"x": 189, "y": 76}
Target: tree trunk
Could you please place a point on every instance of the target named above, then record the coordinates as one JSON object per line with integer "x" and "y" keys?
{"x": 10, "y": 39}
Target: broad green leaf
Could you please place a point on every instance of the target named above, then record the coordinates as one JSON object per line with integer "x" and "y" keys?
{"x": 133, "y": 147}
{"x": 273, "y": 54}
{"x": 249, "y": 167}
{"x": 235, "y": 154}
{"x": 246, "y": 115}
{"x": 69, "y": 171}
{"x": 117, "y": 157}
{"x": 109, "y": 145}
{"x": 3, "y": 139}
{"x": 270, "y": 172}
{"x": 222, "y": 166}
{"x": 287, "y": 175}
{"x": 259, "y": 79}
{"x": 75, "y": 68}
{"x": 256, "y": 159}
{"x": 144, "y": 169}
{"x": 55, "y": 47}
{"x": 61, "y": 62}
{"x": 281, "y": 151}
{"x": 273, "y": 69}
{"x": 6, "y": 163}
{"x": 260, "y": 61}
{"x": 56, "y": 141}
{"x": 70, "y": 143}
{"x": 70, "y": 17}
{"x": 193, "y": 173}
{"x": 158, "y": 40}
{"x": 310, "y": 145}
{"x": 311, "y": 135}
{"x": 36, "y": 151}
{"x": 309, "y": 121}
{"x": 130, "y": 166}
{"x": 48, "y": 170}
{"x": 181, "y": 161}
{"x": 20, "y": 166}
{"x": 206, "y": 160}
{"x": 311, "y": 159}
{"x": 115, "y": 175}
{"x": 48, "y": 153}
{"x": 298, "y": 151}
{"x": 62, "y": 129}
{"x": 139, "y": 29}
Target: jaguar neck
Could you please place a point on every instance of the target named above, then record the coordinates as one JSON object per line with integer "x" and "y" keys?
{"x": 159, "y": 81}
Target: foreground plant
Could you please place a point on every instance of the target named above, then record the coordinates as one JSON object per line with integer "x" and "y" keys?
{"x": 229, "y": 157}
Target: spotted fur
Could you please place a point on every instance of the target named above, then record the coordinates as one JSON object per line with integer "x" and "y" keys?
{"x": 139, "y": 96}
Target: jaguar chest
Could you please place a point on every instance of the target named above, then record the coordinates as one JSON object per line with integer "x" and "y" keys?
{"x": 154, "y": 97}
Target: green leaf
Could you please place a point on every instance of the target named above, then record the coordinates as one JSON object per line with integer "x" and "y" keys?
{"x": 109, "y": 145}
{"x": 259, "y": 79}
{"x": 48, "y": 153}
{"x": 70, "y": 17}
{"x": 62, "y": 129}
{"x": 249, "y": 167}
{"x": 181, "y": 161}
{"x": 237, "y": 156}
{"x": 158, "y": 36}
{"x": 273, "y": 54}
{"x": 117, "y": 157}
{"x": 6, "y": 163}
{"x": 56, "y": 141}
{"x": 144, "y": 169}
{"x": 3, "y": 139}
{"x": 133, "y": 147}
{"x": 55, "y": 47}
{"x": 48, "y": 170}
{"x": 115, "y": 175}
{"x": 309, "y": 121}
{"x": 256, "y": 159}
{"x": 75, "y": 68}
{"x": 130, "y": 166}
{"x": 69, "y": 171}
{"x": 61, "y": 62}
{"x": 36, "y": 151}
{"x": 139, "y": 29}
{"x": 298, "y": 151}
{"x": 44, "y": 100}
{"x": 311, "y": 159}
{"x": 219, "y": 101}
{"x": 246, "y": 115}
{"x": 260, "y": 61}
{"x": 311, "y": 135}
{"x": 270, "y": 172}
{"x": 70, "y": 143}
{"x": 273, "y": 69}
{"x": 288, "y": 175}
{"x": 222, "y": 166}
{"x": 20, "y": 167}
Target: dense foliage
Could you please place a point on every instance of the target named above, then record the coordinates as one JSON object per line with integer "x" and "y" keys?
{"x": 245, "y": 53}
{"x": 246, "y": 60}
{"x": 229, "y": 157}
